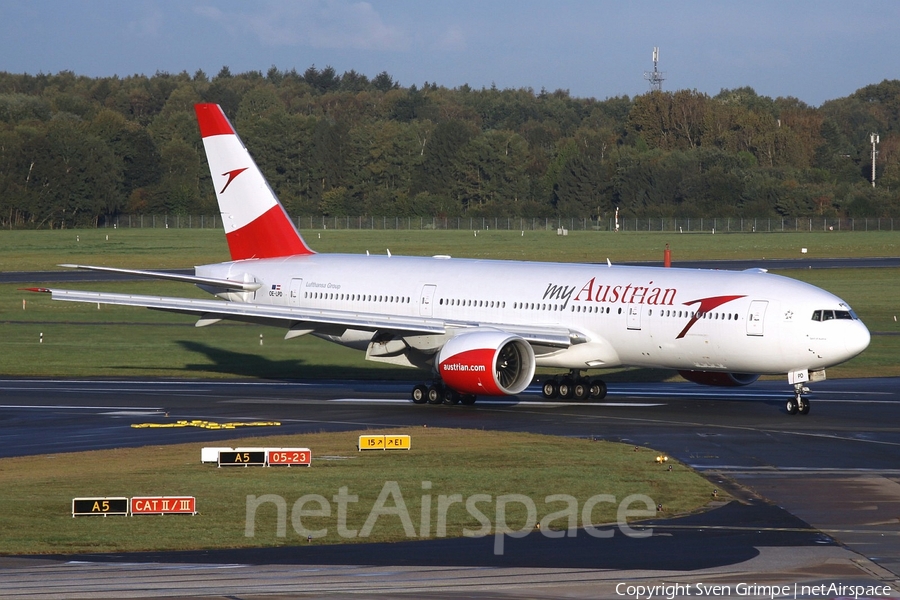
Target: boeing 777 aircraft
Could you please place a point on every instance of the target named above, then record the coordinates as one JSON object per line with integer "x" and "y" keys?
{"x": 482, "y": 326}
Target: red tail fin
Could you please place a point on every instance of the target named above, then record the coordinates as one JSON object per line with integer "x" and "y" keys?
{"x": 256, "y": 224}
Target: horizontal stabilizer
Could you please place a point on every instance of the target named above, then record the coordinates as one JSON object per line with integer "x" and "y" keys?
{"x": 224, "y": 284}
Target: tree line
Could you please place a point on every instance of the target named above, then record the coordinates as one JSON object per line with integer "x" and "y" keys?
{"x": 78, "y": 151}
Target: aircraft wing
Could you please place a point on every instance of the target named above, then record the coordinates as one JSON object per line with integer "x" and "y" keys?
{"x": 212, "y": 311}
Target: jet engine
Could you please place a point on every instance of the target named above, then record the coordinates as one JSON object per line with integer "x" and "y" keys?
{"x": 489, "y": 362}
{"x": 719, "y": 379}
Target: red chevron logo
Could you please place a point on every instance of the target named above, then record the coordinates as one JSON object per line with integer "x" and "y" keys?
{"x": 231, "y": 175}
{"x": 706, "y": 305}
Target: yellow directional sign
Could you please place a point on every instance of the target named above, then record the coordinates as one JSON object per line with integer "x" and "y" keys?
{"x": 371, "y": 442}
{"x": 397, "y": 442}
{"x": 384, "y": 442}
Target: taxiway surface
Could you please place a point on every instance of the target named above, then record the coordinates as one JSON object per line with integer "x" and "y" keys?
{"x": 821, "y": 493}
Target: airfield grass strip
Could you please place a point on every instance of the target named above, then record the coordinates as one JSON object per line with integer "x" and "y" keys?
{"x": 184, "y": 248}
{"x": 35, "y": 506}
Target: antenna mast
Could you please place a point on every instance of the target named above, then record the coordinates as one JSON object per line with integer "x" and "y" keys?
{"x": 656, "y": 77}
{"x": 874, "y": 139}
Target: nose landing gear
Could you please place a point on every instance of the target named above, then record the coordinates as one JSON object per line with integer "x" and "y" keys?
{"x": 798, "y": 404}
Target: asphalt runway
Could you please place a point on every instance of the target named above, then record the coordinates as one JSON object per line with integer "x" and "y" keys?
{"x": 820, "y": 494}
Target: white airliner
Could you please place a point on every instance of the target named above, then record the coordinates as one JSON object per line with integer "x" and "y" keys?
{"x": 482, "y": 326}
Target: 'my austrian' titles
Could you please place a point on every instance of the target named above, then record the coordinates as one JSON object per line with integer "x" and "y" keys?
{"x": 611, "y": 294}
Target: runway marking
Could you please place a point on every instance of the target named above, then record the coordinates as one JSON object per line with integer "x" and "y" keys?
{"x": 501, "y": 402}
{"x": 153, "y": 409}
{"x": 372, "y": 400}
{"x": 700, "y": 425}
{"x": 794, "y": 471}
{"x": 167, "y": 382}
{"x": 767, "y": 395}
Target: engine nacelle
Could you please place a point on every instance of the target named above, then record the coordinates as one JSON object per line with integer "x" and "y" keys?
{"x": 719, "y": 379}
{"x": 493, "y": 363}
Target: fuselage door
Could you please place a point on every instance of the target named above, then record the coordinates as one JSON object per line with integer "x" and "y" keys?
{"x": 425, "y": 300}
{"x": 296, "y": 286}
{"x": 633, "y": 318}
{"x": 756, "y": 317}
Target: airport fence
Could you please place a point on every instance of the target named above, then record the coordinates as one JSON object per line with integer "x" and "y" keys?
{"x": 660, "y": 224}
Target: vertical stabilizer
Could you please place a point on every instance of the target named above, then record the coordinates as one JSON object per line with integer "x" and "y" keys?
{"x": 256, "y": 224}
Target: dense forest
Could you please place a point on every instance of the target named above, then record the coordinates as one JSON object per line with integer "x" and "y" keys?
{"x": 76, "y": 151}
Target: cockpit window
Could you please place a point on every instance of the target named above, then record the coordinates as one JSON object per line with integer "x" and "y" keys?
{"x": 828, "y": 315}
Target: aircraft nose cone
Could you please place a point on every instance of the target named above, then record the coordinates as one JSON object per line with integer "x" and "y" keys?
{"x": 857, "y": 339}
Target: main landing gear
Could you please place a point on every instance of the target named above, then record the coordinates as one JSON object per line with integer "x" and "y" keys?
{"x": 574, "y": 387}
{"x": 438, "y": 393}
{"x": 798, "y": 404}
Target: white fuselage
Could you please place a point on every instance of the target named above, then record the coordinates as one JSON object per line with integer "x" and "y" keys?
{"x": 730, "y": 321}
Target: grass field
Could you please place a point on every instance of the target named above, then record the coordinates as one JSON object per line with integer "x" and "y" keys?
{"x": 454, "y": 462}
{"x": 184, "y": 248}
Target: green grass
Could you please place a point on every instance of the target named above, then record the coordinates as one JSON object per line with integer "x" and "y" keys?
{"x": 129, "y": 248}
{"x": 35, "y": 507}
{"x": 184, "y": 248}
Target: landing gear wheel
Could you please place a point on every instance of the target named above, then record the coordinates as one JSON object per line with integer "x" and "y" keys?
{"x": 435, "y": 394}
{"x": 803, "y": 409}
{"x": 581, "y": 390}
{"x": 597, "y": 389}
{"x": 566, "y": 388}
{"x": 468, "y": 399}
{"x": 791, "y": 406}
{"x": 550, "y": 389}
{"x": 451, "y": 397}
{"x": 420, "y": 394}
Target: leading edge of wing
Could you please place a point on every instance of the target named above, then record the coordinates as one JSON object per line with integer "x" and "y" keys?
{"x": 225, "y": 284}
{"x": 211, "y": 310}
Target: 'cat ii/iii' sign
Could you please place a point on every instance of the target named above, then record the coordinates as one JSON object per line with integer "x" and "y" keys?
{"x": 139, "y": 505}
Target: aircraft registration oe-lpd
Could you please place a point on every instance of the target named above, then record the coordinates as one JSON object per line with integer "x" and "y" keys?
{"x": 482, "y": 326}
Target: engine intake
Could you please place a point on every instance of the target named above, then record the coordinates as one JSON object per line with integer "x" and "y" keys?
{"x": 493, "y": 363}
{"x": 719, "y": 379}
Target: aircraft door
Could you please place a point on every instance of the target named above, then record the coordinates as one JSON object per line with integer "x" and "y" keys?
{"x": 425, "y": 300}
{"x": 756, "y": 317}
{"x": 294, "y": 296}
{"x": 633, "y": 317}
